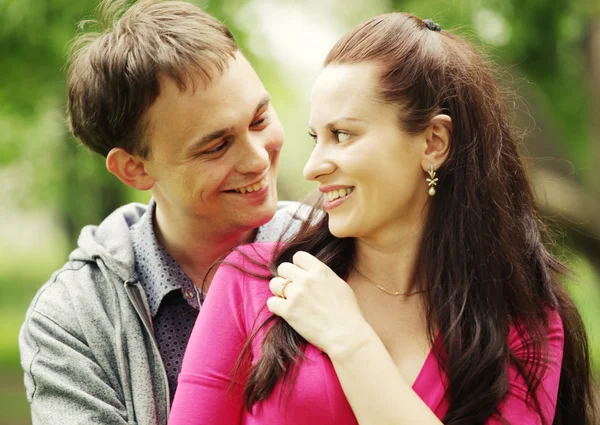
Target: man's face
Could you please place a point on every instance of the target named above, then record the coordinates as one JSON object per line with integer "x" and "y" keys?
{"x": 215, "y": 151}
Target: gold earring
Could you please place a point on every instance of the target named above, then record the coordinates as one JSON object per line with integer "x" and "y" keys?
{"x": 432, "y": 180}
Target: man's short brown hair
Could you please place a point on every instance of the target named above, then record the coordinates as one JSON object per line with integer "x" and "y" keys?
{"x": 114, "y": 74}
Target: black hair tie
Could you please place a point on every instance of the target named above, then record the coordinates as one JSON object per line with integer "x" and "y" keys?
{"x": 431, "y": 25}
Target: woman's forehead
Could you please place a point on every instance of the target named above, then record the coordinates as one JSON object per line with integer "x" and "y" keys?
{"x": 348, "y": 90}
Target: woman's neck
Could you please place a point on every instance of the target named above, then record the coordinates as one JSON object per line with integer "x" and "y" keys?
{"x": 390, "y": 261}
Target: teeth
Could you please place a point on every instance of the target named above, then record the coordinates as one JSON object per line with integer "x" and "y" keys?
{"x": 338, "y": 193}
{"x": 253, "y": 187}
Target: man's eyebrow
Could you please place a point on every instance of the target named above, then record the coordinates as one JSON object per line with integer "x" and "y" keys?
{"x": 205, "y": 140}
{"x": 265, "y": 100}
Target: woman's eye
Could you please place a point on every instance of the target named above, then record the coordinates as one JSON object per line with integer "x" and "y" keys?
{"x": 313, "y": 136}
{"x": 341, "y": 136}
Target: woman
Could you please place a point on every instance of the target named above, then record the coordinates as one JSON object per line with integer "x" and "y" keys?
{"x": 424, "y": 294}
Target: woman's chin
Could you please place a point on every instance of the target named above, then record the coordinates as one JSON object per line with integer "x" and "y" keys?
{"x": 340, "y": 231}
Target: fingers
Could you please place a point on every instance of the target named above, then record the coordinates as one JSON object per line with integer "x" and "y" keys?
{"x": 302, "y": 261}
{"x": 289, "y": 271}
{"x": 279, "y": 286}
{"x": 277, "y": 306}
{"x": 306, "y": 261}
{"x": 293, "y": 278}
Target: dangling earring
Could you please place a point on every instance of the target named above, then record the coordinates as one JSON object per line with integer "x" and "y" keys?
{"x": 432, "y": 180}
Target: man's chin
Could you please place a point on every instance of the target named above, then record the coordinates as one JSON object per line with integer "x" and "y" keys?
{"x": 259, "y": 217}
{"x": 263, "y": 218}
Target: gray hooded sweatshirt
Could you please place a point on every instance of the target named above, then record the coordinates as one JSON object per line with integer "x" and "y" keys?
{"x": 87, "y": 344}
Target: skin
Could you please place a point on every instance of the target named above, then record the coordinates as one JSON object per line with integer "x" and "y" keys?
{"x": 204, "y": 144}
{"x": 377, "y": 343}
{"x": 360, "y": 144}
{"x": 383, "y": 164}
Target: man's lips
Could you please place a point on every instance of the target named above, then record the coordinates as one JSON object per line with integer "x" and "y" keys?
{"x": 252, "y": 187}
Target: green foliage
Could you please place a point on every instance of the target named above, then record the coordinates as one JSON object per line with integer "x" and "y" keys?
{"x": 57, "y": 174}
{"x": 35, "y": 35}
{"x": 586, "y": 295}
{"x": 13, "y": 404}
{"x": 546, "y": 41}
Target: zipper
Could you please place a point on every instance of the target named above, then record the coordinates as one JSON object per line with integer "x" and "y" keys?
{"x": 143, "y": 312}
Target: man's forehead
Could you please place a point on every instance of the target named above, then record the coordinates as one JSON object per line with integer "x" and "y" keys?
{"x": 223, "y": 96}
{"x": 208, "y": 78}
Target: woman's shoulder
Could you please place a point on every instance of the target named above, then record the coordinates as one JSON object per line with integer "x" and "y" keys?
{"x": 247, "y": 274}
{"x": 257, "y": 254}
{"x": 250, "y": 261}
{"x": 520, "y": 341}
{"x": 554, "y": 330}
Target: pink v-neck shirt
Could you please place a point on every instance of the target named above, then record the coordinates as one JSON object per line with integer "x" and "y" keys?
{"x": 236, "y": 306}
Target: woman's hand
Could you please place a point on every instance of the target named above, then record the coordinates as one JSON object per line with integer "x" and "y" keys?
{"x": 318, "y": 305}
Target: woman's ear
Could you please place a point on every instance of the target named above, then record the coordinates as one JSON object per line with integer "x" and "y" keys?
{"x": 438, "y": 137}
{"x": 128, "y": 168}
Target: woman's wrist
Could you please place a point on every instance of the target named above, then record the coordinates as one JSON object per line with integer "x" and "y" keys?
{"x": 348, "y": 345}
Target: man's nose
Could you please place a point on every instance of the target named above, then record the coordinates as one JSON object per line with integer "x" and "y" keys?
{"x": 255, "y": 156}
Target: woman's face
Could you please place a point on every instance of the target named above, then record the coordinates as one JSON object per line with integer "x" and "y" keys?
{"x": 367, "y": 167}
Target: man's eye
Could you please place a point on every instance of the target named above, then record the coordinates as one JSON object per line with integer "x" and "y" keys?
{"x": 217, "y": 148}
{"x": 260, "y": 122}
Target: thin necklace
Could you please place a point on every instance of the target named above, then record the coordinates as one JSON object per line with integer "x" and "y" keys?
{"x": 388, "y": 291}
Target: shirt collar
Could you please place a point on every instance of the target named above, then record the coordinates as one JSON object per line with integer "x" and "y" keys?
{"x": 158, "y": 272}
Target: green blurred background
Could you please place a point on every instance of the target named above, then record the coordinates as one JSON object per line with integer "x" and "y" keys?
{"x": 50, "y": 187}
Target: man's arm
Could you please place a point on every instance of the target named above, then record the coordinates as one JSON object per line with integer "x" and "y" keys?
{"x": 65, "y": 384}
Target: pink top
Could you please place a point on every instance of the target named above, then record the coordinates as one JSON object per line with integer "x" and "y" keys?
{"x": 236, "y": 305}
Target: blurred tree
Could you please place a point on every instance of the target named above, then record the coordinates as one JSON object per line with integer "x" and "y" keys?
{"x": 70, "y": 181}
{"x": 593, "y": 65}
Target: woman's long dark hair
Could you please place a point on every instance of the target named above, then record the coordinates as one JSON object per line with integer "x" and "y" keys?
{"x": 482, "y": 258}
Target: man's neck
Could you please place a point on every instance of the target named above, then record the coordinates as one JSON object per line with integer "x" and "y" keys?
{"x": 196, "y": 249}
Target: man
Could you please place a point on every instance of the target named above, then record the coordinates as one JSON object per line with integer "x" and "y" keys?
{"x": 166, "y": 96}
